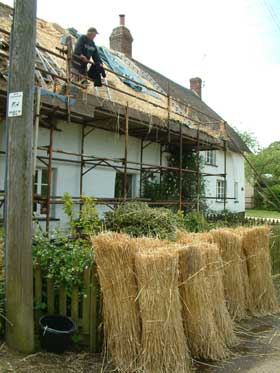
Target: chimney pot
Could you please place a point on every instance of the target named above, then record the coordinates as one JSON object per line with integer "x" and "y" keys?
{"x": 195, "y": 85}
{"x": 122, "y": 19}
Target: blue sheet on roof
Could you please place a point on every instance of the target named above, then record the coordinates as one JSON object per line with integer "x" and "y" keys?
{"x": 45, "y": 92}
{"x": 119, "y": 67}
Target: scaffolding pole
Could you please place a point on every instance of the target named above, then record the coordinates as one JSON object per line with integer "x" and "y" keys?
{"x": 160, "y": 175}
{"x": 125, "y": 154}
{"x": 50, "y": 154}
{"x": 225, "y": 174}
{"x": 198, "y": 174}
{"x": 82, "y": 159}
{"x": 180, "y": 168}
{"x": 141, "y": 168}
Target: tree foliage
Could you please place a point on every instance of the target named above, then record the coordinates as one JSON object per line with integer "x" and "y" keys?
{"x": 169, "y": 187}
{"x": 267, "y": 164}
{"x": 250, "y": 140}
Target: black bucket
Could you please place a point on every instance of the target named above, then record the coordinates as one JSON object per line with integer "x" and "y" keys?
{"x": 56, "y": 332}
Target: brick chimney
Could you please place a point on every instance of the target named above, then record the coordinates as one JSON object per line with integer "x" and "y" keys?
{"x": 121, "y": 39}
{"x": 195, "y": 85}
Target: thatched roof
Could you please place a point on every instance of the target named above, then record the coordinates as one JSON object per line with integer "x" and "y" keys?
{"x": 142, "y": 104}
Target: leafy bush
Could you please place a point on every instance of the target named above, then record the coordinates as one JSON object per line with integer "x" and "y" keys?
{"x": 62, "y": 258}
{"x": 84, "y": 222}
{"x": 2, "y": 287}
{"x": 195, "y": 222}
{"x": 138, "y": 219}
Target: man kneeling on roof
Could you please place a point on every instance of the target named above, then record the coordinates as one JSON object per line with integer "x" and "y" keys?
{"x": 85, "y": 49}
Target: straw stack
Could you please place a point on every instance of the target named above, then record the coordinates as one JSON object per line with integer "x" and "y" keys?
{"x": 114, "y": 257}
{"x": 255, "y": 243}
{"x": 147, "y": 243}
{"x": 214, "y": 274}
{"x": 204, "y": 338}
{"x": 164, "y": 347}
{"x": 184, "y": 237}
{"x": 229, "y": 245}
{"x": 240, "y": 231}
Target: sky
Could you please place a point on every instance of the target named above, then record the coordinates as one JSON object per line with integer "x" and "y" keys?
{"x": 232, "y": 45}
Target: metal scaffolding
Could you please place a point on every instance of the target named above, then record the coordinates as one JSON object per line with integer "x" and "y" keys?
{"x": 174, "y": 133}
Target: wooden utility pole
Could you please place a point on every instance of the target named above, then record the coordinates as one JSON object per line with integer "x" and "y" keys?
{"x": 18, "y": 205}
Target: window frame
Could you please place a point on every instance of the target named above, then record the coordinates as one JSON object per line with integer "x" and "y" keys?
{"x": 131, "y": 180}
{"x": 220, "y": 190}
{"x": 210, "y": 158}
{"x": 235, "y": 191}
{"x": 38, "y": 190}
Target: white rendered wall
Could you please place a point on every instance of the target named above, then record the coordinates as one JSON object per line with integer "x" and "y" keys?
{"x": 100, "y": 182}
{"x": 235, "y": 173}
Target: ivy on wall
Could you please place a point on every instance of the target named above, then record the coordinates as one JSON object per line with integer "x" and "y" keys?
{"x": 167, "y": 186}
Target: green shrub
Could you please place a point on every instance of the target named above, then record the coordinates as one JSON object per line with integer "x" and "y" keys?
{"x": 195, "y": 222}
{"x": 138, "y": 219}
{"x": 2, "y": 287}
{"x": 274, "y": 244}
{"x": 84, "y": 222}
{"x": 62, "y": 258}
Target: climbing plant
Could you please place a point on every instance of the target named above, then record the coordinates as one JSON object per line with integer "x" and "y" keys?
{"x": 167, "y": 186}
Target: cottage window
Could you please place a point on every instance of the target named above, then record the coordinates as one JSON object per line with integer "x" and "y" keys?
{"x": 236, "y": 191}
{"x": 41, "y": 190}
{"x": 210, "y": 157}
{"x": 119, "y": 185}
{"x": 220, "y": 190}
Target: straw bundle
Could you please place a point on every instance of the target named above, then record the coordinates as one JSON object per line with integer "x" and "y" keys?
{"x": 114, "y": 257}
{"x": 240, "y": 231}
{"x": 184, "y": 237}
{"x": 255, "y": 243}
{"x": 147, "y": 243}
{"x": 214, "y": 274}
{"x": 164, "y": 347}
{"x": 229, "y": 245}
{"x": 198, "y": 309}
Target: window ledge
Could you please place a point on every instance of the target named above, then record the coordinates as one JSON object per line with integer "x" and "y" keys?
{"x": 211, "y": 164}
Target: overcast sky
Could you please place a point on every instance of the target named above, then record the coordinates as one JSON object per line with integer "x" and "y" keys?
{"x": 233, "y": 45}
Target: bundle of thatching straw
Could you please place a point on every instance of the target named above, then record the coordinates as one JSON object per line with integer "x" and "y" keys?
{"x": 184, "y": 237}
{"x": 114, "y": 257}
{"x": 214, "y": 275}
{"x": 255, "y": 244}
{"x": 204, "y": 338}
{"x": 164, "y": 347}
{"x": 229, "y": 245}
{"x": 240, "y": 231}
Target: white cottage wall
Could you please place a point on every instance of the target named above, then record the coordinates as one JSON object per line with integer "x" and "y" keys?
{"x": 235, "y": 174}
{"x": 100, "y": 182}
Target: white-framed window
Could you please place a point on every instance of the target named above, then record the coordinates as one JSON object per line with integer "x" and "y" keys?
{"x": 119, "y": 185}
{"x": 220, "y": 190}
{"x": 236, "y": 191}
{"x": 210, "y": 157}
{"x": 41, "y": 189}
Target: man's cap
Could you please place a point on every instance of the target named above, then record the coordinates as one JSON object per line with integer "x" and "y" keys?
{"x": 92, "y": 29}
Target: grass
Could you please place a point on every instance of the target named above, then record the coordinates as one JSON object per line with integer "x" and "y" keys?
{"x": 263, "y": 213}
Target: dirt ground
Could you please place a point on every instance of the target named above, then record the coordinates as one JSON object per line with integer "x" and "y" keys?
{"x": 257, "y": 352}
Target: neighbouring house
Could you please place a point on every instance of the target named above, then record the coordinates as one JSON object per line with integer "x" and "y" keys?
{"x": 102, "y": 141}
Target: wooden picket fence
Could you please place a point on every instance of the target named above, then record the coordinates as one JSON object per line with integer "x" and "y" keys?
{"x": 84, "y": 308}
